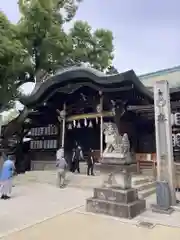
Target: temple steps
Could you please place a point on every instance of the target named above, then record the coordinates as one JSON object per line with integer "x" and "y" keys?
{"x": 144, "y": 185}
{"x": 141, "y": 179}
{"x": 147, "y": 172}
{"x": 146, "y": 192}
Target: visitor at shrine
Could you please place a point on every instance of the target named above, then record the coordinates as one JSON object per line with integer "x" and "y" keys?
{"x": 76, "y": 158}
{"x": 90, "y": 163}
{"x": 62, "y": 166}
{"x": 6, "y": 177}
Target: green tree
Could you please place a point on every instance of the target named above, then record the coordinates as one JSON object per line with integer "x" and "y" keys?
{"x": 12, "y": 55}
{"x": 95, "y": 48}
{"x": 42, "y": 34}
{"x": 41, "y": 30}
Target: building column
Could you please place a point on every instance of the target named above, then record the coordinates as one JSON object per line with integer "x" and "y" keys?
{"x": 62, "y": 121}
{"x": 63, "y": 124}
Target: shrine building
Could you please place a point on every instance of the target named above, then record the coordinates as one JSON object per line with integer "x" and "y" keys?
{"x": 73, "y": 105}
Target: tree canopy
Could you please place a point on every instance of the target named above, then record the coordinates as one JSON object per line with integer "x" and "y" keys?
{"x": 38, "y": 44}
{"x": 50, "y": 47}
{"x": 94, "y": 48}
{"x": 12, "y": 55}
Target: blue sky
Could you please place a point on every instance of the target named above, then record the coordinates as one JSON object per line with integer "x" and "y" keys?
{"x": 146, "y": 32}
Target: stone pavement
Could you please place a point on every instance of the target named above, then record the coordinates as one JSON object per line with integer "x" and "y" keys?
{"x": 36, "y": 202}
{"x": 42, "y": 211}
{"x": 74, "y": 225}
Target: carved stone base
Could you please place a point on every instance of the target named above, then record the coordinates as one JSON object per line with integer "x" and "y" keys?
{"x": 115, "y": 174}
{"x": 122, "y": 180}
{"x": 116, "y": 194}
{"x": 115, "y": 202}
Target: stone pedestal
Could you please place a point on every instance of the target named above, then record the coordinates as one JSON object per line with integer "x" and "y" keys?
{"x": 115, "y": 201}
{"x": 114, "y": 173}
{"x": 116, "y": 197}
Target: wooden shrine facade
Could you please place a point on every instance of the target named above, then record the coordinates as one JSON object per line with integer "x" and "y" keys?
{"x": 71, "y": 107}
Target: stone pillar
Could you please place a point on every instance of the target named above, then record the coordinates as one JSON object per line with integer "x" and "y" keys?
{"x": 164, "y": 150}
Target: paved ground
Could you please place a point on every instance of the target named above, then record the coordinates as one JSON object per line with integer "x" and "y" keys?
{"x": 78, "y": 226}
{"x": 46, "y": 212}
{"x": 36, "y": 202}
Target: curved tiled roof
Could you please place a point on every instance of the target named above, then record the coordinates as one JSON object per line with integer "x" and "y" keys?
{"x": 71, "y": 79}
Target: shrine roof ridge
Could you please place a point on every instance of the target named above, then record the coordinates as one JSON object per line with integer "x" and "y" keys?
{"x": 87, "y": 77}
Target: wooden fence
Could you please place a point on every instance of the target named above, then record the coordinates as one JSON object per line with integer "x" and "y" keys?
{"x": 148, "y": 161}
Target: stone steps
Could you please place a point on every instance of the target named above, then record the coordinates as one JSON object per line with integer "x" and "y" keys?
{"x": 146, "y": 193}
{"x": 147, "y": 172}
{"x": 141, "y": 179}
{"x": 145, "y": 186}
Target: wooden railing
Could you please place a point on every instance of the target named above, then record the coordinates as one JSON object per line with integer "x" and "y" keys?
{"x": 146, "y": 161}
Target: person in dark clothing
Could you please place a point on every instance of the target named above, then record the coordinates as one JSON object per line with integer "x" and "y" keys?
{"x": 73, "y": 161}
{"x": 77, "y": 156}
{"x": 90, "y": 163}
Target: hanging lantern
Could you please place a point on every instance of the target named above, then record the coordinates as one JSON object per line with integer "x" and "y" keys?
{"x": 96, "y": 120}
{"x": 90, "y": 124}
{"x": 69, "y": 126}
{"x": 85, "y": 122}
{"x": 74, "y": 123}
{"x": 78, "y": 125}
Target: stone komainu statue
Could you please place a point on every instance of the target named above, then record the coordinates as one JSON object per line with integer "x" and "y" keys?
{"x": 116, "y": 145}
{"x": 112, "y": 137}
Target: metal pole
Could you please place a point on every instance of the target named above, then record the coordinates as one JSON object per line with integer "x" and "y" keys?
{"x": 63, "y": 125}
{"x": 101, "y": 127}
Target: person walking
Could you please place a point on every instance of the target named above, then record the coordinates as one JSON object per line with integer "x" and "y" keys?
{"x": 90, "y": 163}
{"x": 61, "y": 165}
{"x": 77, "y": 156}
{"x": 6, "y": 177}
